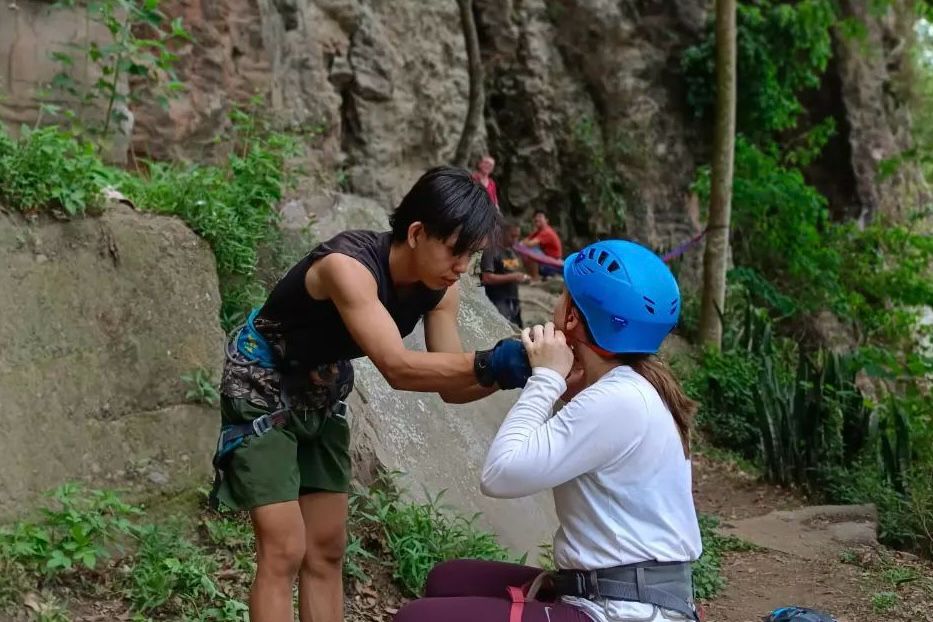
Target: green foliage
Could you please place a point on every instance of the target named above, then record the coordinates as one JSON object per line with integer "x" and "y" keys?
{"x": 811, "y": 424}
{"x": 782, "y": 49}
{"x": 201, "y": 388}
{"x": 421, "y": 535}
{"x": 795, "y": 261}
{"x": 231, "y": 206}
{"x": 724, "y": 385}
{"x": 78, "y": 530}
{"x": 707, "y": 571}
{"x": 595, "y": 180}
{"x": 777, "y": 224}
{"x": 887, "y": 269}
{"x": 47, "y": 170}
{"x": 904, "y": 519}
{"x": 92, "y": 75}
{"x": 359, "y": 521}
{"x": 882, "y": 602}
{"x": 725, "y": 381}
{"x": 167, "y": 566}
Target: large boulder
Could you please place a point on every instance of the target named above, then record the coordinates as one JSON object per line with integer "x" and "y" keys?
{"x": 101, "y": 318}
{"x": 438, "y": 446}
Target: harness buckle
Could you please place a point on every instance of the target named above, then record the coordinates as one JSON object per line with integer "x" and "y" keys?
{"x": 581, "y": 587}
{"x": 262, "y": 424}
{"x": 592, "y": 584}
{"x": 339, "y": 409}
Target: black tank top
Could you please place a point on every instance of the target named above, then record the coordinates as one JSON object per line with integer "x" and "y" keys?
{"x": 306, "y": 332}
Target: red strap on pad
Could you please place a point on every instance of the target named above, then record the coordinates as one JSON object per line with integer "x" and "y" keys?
{"x": 518, "y": 603}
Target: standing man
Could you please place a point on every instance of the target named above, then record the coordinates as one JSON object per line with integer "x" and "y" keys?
{"x": 545, "y": 239}
{"x": 482, "y": 175}
{"x": 284, "y": 452}
{"x": 501, "y": 272}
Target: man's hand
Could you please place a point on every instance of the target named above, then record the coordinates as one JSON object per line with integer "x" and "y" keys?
{"x": 509, "y": 363}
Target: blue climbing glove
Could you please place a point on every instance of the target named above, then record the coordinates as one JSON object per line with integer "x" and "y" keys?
{"x": 505, "y": 365}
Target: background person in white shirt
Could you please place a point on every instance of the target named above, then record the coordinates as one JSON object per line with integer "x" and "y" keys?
{"x": 616, "y": 457}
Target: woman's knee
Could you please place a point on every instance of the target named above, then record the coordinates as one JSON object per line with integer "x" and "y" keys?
{"x": 423, "y": 610}
{"x": 443, "y": 578}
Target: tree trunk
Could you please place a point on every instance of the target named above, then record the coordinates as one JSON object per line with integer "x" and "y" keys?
{"x": 477, "y": 97}
{"x": 717, "y": 236}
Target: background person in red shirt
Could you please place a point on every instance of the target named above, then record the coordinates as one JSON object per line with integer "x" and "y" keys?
{"x": 484, "y": 168}
{"x": 545, "y": 239}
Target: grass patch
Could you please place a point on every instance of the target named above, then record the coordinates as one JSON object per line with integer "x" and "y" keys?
{"x": 48, "y": 170}
{"x": 708, "y": 581}
{"x": 421, "y": 535}
{"x": 188, "y": 563}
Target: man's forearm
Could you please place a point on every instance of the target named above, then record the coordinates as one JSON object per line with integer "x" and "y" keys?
{"x": 468, "y": 394}
{"x": 439, "y": 372}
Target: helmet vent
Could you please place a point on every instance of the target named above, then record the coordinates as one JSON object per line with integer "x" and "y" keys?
{"x": 649, "y": 305}
{"x": 674, "y": 306}
{"x": 613, "y": 266}
{"x": 591, "y": 253}
{"x": 602, "y": 257}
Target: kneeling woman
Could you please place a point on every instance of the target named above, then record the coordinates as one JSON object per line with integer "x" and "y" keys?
{"x": 616, "y": 457}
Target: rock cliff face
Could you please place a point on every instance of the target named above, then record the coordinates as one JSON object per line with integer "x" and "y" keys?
{"x": 871, "y": 75}
{"x": 382, "y": 85}
{"x": 98, "y": 330}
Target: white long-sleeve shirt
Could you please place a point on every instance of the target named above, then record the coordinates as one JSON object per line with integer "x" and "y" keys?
{"x": 614, "y": 459}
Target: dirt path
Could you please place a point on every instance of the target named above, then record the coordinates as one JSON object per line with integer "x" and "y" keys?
{"x": 872, "y": 584}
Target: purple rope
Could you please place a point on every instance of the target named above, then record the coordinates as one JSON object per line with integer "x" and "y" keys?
{"x": 684, "y": 247}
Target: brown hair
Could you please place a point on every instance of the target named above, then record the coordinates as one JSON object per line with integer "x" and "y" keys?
{"x": 659, "y": 375}
{"x": 655, "y": 371}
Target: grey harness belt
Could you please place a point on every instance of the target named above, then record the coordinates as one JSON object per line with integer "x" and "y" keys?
{"x": 665, "y": 584}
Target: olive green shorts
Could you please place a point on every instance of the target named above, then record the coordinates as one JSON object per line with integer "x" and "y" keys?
{"x": 311, "y": 453}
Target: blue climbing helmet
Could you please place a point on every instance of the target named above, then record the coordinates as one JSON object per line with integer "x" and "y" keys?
{"x": 627, "y": 294}
{"x": 798, "y": 614}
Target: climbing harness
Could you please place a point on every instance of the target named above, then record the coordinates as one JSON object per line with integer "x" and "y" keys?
{"x": 665, "y": 584}
{"x": 245, "y": 348}
{"x": 668, "y": 585}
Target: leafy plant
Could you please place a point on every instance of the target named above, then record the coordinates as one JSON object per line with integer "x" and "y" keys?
{"x": 421, "y": 535}
{"x": 138, "y": 53}
{"x": 168, "y": 566}
{"x": 708, "y": 581}
{"x": 79, "y": 529}
{"x": 47, "y": 170}
{"x": 231, "y": 206}
{"x": 813, "y": 423}
{"x": 597, "y": 184}
{"x": 782, "y": 49}
{"x": 201, "y": 387}
{"x": 882, "y": 602}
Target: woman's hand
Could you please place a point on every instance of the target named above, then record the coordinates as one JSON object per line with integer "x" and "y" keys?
{"x": 547, "y": 347}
